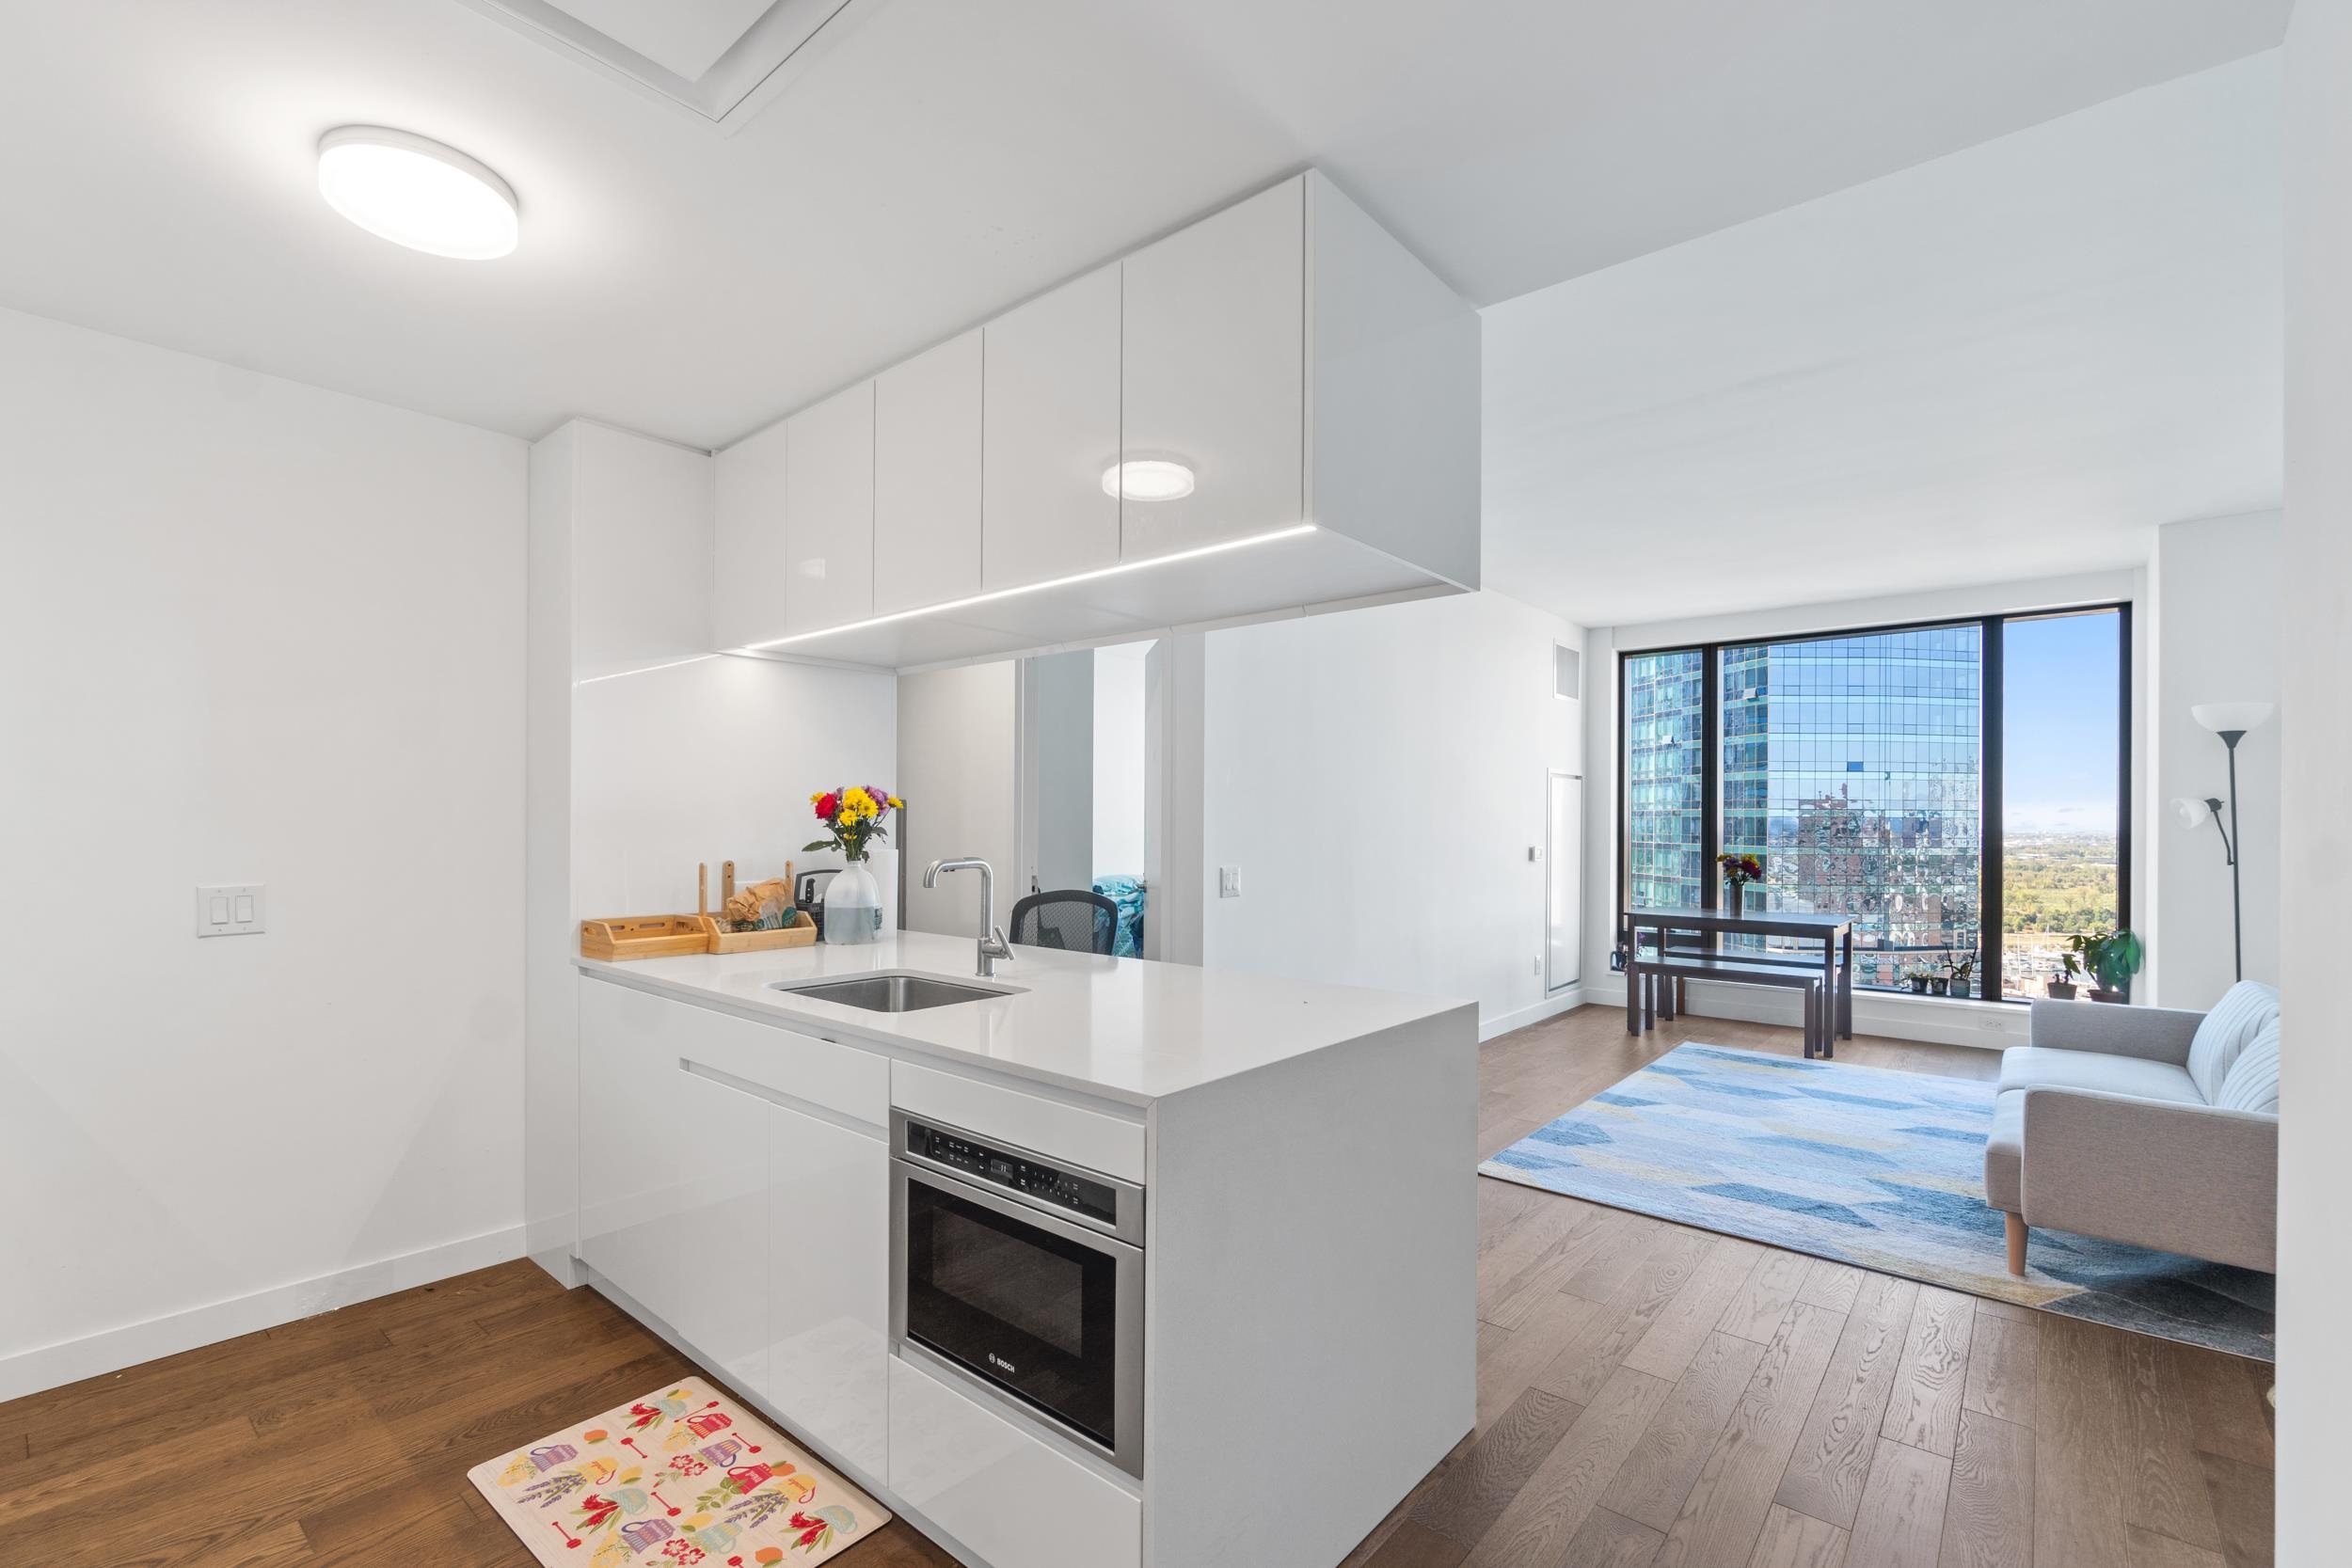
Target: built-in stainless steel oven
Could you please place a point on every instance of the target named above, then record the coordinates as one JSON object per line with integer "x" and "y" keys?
{"x": 1022, "y": 1279}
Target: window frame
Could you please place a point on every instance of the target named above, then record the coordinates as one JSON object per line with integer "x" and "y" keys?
{"x": 1991, "y": 717}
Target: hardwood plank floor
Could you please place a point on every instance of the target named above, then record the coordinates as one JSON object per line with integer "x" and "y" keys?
{"x": 1648, "y": 1396}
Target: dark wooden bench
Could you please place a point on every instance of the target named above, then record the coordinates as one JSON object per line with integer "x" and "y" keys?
{"x": 1656, "y": 980}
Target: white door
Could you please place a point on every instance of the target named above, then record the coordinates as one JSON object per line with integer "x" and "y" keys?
{"x": 1563, "y": 886}
{"x": 1214, "y": 374}
{"x": 829, "y": 512}
{"x": 753, "y": 550}
{"x": 926, "y": 478}
{"x": 828, "y": 1284}
{"x": 1052, "y": 429}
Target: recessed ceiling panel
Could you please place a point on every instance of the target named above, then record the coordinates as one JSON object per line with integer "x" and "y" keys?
{"x": 720, "y": 58}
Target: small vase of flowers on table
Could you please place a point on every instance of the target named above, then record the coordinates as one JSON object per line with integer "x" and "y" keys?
{"x": 1739, "y": 871}
{"x": 852, "y": 816}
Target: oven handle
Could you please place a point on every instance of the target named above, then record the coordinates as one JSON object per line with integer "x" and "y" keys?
{"x": 910, "y": 1169}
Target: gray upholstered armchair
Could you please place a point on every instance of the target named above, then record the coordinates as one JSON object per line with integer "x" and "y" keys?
{"x": 2147, "y": 1125}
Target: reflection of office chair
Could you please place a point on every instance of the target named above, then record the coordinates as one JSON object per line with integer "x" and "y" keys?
{"x": 1073, "y": 920}
{"x": 809, "y": 893}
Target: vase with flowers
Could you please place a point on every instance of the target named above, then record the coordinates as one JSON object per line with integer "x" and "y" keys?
{"x": 852, "y": 816}
{"x": 1739, "y": 871}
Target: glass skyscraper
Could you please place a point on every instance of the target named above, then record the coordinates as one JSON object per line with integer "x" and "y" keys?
{"x": 1853, "y": 767}
{"x": 1665, "y": 753}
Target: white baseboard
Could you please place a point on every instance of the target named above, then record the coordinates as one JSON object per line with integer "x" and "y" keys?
{"x": 1550, "y": 1007}
{"x": 1987, "y": 1026}
{"x": 111, "y": 1350}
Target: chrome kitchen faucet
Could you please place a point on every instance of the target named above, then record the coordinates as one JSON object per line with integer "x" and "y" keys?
{"x": 992, "y": 944}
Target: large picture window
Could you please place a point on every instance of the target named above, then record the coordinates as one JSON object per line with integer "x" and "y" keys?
{"x": 1957, "y": 789}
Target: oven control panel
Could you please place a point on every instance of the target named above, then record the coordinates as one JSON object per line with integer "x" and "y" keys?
{"x": 1016, "y": 1173}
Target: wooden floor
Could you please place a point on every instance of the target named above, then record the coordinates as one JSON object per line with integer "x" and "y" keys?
{"x": 1647, "y": 1395}
{"x": 1656, "y": 1396}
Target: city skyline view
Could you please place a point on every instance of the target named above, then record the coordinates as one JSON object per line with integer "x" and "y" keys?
{"x": 1854, "y": 766}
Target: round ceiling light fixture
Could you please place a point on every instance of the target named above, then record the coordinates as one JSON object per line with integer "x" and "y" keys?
{"x": 414, "y": 191}
{"x": 1148, "y": 479}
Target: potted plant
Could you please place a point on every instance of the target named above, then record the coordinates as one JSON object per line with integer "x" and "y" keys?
{"x": 1739, "y": 871}
{"x": 1962, "y": 966}
{"x": 1918, "y": 979}
{"x": 2112, "y": 957}
{"x": 2063, "y": 987}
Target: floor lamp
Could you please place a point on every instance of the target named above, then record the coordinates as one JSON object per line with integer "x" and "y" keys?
{"x": 2230, "y": 720}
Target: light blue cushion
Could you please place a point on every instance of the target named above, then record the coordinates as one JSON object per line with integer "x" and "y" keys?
{"x": 2253, "y": 1080}
{"x": 2229, "y": 1029}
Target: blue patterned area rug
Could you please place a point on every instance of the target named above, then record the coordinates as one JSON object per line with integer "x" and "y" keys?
{"x": 1878, "y": 1169}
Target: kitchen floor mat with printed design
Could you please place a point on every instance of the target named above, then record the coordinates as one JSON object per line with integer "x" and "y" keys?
{"x": 684, "y": 1477}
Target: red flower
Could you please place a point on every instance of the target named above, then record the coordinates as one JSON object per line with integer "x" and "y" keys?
{"x": 827, "y": 804}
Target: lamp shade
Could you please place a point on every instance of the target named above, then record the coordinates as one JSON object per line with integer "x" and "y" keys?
{"x": 2221, "y": 718}
{"x": 2192, "y": 813}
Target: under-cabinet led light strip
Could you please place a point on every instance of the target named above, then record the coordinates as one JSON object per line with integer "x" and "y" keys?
{"x": 1123, "y": 567}
{"x": 622, "y": 675}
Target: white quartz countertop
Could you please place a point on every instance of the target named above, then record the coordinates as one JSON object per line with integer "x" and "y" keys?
{"x": 1122, "y": 1029}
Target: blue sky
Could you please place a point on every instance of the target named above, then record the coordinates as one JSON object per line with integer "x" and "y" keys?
{"x": 2060, "y": 676}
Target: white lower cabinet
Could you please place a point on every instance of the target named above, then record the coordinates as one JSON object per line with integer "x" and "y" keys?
{"x": 632, "y": 1185}
{"x": 758, "y": 1232}
{"x": 1001, "y": 1491}
{"x": 828, "y": 1295}
{"x": 720, "y": 1236}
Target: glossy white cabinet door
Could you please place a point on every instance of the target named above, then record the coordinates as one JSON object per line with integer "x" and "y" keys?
{"x": 829, "y": 512}
{"x": 630, "y": 1183}
{"x": 926, "y": 478}
{"x": 1214, "y": 374}
{"x": 720, "y": 1236}
{"x": 1052, "y": 428}
{"x": 1001, "y": 1492}
{"x": 752, "y": 549}
{"x": 827, "y": 1287}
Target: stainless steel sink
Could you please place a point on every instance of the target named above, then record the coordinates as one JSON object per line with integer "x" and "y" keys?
{"x": 893, "y": 994}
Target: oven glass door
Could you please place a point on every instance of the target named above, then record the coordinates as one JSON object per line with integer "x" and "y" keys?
{"x": 1030, "y": 1310}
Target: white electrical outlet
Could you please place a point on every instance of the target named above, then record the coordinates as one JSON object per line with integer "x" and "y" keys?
{"x": 1228, "y": 881}
{"x": 237, "y": 910}
{"x": 1539, "y": 963}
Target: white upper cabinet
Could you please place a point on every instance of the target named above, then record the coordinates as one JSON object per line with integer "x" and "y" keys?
{"x": 926, "y": 478}
{"x": 1283, "y": 363}
{"x": 753, "y": 546}
{"x": 1052, "y": 429}
{"x": 829, "y": 513}
{"x": 1214, "y": 374}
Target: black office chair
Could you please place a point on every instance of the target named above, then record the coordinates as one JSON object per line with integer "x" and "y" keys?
{"x": 1072, "y": 919}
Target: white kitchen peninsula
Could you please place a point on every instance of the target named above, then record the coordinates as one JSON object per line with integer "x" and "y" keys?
{"x": 1296, "y": 1161}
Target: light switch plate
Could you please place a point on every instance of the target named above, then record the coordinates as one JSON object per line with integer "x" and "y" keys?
{"x": 232, "y": 910}
{"x": 1228, "y": 881}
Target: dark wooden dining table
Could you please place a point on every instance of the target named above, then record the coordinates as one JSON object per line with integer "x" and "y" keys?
{"x": 1835, "y": 932}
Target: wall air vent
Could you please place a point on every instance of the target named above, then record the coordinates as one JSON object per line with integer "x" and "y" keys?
{"x": 1567, "y": 672}
{"x": 723, "y": 60}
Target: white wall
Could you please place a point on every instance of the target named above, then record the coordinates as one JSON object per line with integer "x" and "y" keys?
{"x": 2214, "y": 587}
{"x": 712, "y": 761}
{"x": 957, "y": 751}
{"x": 252, "y": 631}
{"x": 2315, "y": 1157}
{"x": 1058, "y": 789}
{"x": 1120, "y": 698}
{"x": 1378, "y": 776}
{"x": 1985, "y": 1024}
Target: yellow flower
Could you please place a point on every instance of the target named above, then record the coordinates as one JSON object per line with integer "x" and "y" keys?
{"x": 895, "y": 804}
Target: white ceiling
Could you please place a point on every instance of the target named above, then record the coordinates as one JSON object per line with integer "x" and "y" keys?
{"x": 936, "y": 160}
{"x": 2013, "y": 361}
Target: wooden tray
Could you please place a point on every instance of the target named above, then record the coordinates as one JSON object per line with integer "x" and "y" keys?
{"x": 800, "y": 933}
{"x": 644, "y": 936}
